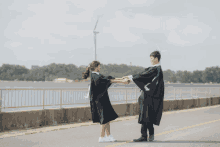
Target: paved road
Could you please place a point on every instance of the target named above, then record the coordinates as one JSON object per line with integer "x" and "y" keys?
{"x": 198, "y": 127}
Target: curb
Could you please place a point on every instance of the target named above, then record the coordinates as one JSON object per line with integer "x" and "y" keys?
{"x": 67, "y": 126}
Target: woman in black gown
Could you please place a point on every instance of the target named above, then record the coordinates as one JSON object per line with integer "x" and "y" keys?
{"x": 101, "y": 108}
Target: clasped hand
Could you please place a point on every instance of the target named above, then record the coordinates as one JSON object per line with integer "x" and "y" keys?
{"x": 126, "y": 80}
{"x": 122, "y": 80}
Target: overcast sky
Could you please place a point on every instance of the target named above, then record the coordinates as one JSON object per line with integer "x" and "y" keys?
{"x": 42, "y": 32}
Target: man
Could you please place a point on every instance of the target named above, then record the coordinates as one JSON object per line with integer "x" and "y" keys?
{"x": 151, "y": 83}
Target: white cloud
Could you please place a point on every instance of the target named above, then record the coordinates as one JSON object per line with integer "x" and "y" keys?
{"x": 186, "y": 31}
{"x": 89, "y": 5}
{"x": 119, "y": 28}
{"x": 133, "y": 2}
{"x": 172, "y": 23}
{"x": 174, "y": 38}
{"x": 51, "y": 18}
{"x": 190, "y": 29}
{"x": 213, "y": 37}
{"x": 146, "y": 22}
{"x": 15, "y": 44}
{"x": 53, "y": 40}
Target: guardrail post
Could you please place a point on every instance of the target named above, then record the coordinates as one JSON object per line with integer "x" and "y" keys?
{"x": 1, "y": 101}
{"x": 209, "y": 92}
{"x": 136, "y": 94}
{"x": 15, "y": 98}
{"x": 181, "y": 93}
{"x": 126, "y": 95}
{"x": 197, "y": 91}
{"x": 11, "y": 99}
{"x": 31, "y": 96}
{"x": 174, "y": 93}
{"x": 21, "y": 97}
{"x": 8, "y": 98}
{"x": 191, "y": 94}
{"x": 60, "y": 98}
{"x": 43, "y": 98}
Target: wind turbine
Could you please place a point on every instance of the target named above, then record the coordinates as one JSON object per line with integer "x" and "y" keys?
{"x": 95, "y": 32}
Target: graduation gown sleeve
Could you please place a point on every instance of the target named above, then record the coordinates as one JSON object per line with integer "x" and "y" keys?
{"x": 103, "y": 82}
{"x": 145, "y": 78}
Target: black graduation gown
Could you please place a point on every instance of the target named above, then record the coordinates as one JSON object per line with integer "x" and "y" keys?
{"x": 101, "y": 108}
{"x": 150, "y": 81}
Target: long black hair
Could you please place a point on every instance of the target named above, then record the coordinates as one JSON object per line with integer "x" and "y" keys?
{"x": 92, "y": 66}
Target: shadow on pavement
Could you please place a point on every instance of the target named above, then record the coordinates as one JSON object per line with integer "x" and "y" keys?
{"x": 123, "y": 141}
{"x": 172, "y": 141}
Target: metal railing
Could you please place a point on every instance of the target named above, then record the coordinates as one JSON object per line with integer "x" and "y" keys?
{"x": 73, "y": 97}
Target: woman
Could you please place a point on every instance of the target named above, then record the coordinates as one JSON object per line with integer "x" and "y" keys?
{"x": 101, "y": 108}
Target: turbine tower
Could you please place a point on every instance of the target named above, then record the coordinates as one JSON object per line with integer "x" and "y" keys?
{"x": 95, "y": 32}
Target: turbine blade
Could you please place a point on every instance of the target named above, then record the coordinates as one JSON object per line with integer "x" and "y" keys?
{"x": 96, "y": 24}
{"x": 158, "y": 47}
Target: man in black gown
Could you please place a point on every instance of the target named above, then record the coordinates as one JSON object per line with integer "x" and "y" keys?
{"x": 151, "y": 83}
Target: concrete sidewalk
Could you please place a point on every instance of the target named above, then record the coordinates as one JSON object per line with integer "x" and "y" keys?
{"x": 199, "y": 126}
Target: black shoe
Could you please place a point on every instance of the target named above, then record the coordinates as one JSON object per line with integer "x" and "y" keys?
{"x": 151, "y": 138}
{"x": 140, "y": 139}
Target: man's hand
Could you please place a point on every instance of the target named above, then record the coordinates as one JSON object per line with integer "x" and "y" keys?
{"x": 125, "y": 77}
{"x": 126, "y": 81}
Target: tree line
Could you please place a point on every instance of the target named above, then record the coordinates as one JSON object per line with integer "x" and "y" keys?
{"x": 73, "y": 72}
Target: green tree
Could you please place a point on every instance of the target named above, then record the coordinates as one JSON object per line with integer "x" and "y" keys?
{"x": 197, "y": 76}
{"x": 169, "y": 75}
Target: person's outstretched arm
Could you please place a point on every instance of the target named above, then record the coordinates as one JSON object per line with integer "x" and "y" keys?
{"x": 143, "y": 78}
{"x": 120, "y": 80}
{"x": 150, "y": 73}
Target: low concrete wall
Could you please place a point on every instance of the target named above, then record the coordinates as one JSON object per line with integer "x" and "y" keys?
{"x": 49, "y": 117}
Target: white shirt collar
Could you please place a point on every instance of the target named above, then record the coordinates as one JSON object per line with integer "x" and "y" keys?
{"x": 158, "y": 64}
{"x": 95, "y": 72}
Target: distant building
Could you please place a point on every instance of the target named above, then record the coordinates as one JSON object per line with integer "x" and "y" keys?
{"x": 68, "y": 80}
{"x": 83, "y": 66}
{"x": 34, "y": 66}
{"x": 86, "y": 80}
{"x": 5, "y": 64}
{"x": 62, "y": 80}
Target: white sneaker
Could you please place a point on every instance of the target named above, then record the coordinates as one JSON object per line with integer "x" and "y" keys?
{"x": 102, "y": 139}
{"x": 110, "y": 138}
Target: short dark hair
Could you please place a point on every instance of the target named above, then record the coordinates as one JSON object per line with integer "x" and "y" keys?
{"x": 156, "y": 54}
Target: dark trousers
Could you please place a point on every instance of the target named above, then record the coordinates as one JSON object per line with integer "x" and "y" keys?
{"x": 147, "y": 126}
